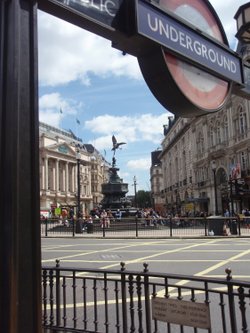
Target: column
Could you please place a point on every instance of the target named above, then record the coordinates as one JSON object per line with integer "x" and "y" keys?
{"x": 63, "y": 178}
{"x": 54, "y": 176}
{"x": 75, "y": 178}
{"x": 42, "y": 180}
{"x": 66, "y": 177}
{"x": 46, "y": 167}
{"x": 57, "y": 175}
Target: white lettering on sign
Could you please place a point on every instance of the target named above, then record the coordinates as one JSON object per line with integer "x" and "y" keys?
{"x": 106, "y": 6}
{"x": 187, "y": 42}
{"x": 181, "y": 312}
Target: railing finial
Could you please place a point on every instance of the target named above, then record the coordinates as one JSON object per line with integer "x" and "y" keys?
{"x": 122, "y": 266}
{"x": 145, "y": 265}
{"x": 57, "y": 263}
{"x": 229, "y": 275}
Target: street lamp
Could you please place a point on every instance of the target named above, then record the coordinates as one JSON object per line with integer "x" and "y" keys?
{"x": 135, "y": 191}
{"x": 78, "y": 159}
{"x": 242, "y": 18}
{"x": 214, "y": 166}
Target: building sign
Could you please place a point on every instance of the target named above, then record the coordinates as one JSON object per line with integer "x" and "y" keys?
{"x": 102, "y": 11}
{"x": 181, "y": 312}
{"x": 180, "y": 84}
{"x": 186, "y": 42}
{"x": 63, "y": 149}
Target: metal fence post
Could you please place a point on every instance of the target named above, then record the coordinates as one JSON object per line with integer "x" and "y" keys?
{"x": 205, "y": 226}
{"x": 124, "y": 299}
{"x": 103, "y": 228}
{"x": 231, "y": 301}
{"x": 238, "y": 221}
{"x": 73, "y": 226}
{"x": 58, "y": 298}
{"x": 147, "y": 300}
{"x": 46, "y": 227}
{"x": 136, "y": 226}
{"x": 171, "y": 226}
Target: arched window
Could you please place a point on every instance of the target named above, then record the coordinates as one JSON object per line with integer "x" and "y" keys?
{"x": 239, "y": 122}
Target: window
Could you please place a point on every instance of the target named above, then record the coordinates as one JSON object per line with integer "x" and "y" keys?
{"x": 243, "y": 160}
{"x": 242, "y": 121}
{"x": 211, "y": 136}
{"x": 200, "y": 143}
{"x": 218, "y": 133}
{"x": 225, "y": 129}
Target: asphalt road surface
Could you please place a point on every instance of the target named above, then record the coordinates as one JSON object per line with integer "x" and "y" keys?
{"x": 200, "y": 257}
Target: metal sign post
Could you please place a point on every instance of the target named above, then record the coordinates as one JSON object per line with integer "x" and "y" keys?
{"x": 20, "y": 259}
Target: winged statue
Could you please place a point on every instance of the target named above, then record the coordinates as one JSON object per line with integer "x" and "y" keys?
{"x": 116, "y": 144}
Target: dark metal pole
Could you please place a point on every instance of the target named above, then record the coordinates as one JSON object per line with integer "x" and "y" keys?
{"x": 20, "y": 257}
{"x": 231, "y": 195}
{"x": 215, "y": 193}
{"x": 135, "y": 191}
{"x": 205, "y": 225}
{"x": 78, "y": 189}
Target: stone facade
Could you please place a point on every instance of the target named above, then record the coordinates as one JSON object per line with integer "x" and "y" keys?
{"x": 189, "y": 149}
{"x": 156, "y": 180}
{"x": 59, "y": 175}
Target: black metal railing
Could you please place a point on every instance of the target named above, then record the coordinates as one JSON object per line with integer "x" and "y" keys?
{"x": 140, "y": 227}
{"x": 95, "y": 300}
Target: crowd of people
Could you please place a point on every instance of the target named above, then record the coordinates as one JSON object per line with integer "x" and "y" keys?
{"x": 146, "y": 216}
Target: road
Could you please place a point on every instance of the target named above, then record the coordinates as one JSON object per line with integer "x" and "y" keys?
{"x": 200, "y": 257}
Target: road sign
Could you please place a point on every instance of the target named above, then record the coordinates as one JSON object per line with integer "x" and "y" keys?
{"x": 184, "y": 41}
{"x": 189, "y": 90}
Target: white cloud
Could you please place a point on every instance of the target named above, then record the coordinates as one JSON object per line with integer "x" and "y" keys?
{"x": 51, "y": 101}
{"x": 53, "y": 108}
{"x": 50, "y": 118}
{"x": 68, "y": 53}
{"x": 129, "y": 129}
{"x": 102, "y": 142}
{"x": 226, "y": 11}
{"x": 140, "y": 164}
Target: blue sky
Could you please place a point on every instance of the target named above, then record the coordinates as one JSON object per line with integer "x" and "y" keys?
{"x": 81, "y": 74}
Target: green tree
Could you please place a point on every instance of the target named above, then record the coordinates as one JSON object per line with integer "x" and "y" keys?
{"x": 143, "y": 199}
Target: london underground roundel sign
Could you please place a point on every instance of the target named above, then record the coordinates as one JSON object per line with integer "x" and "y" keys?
{"x": 180, "y": 86}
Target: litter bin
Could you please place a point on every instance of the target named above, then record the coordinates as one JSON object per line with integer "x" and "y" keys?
{"x": 216, "y": 224}
{"x": 79, "y": 226}
{"x": 90, "y": 228}
{"x": 233, "y": 227}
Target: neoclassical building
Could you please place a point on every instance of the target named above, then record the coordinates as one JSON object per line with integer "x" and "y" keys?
{"x": 205, "y": 161}
{"x": 60, "y": 152}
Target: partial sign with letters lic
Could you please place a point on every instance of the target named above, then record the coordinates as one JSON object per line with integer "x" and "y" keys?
{"x": 102, "y": 11}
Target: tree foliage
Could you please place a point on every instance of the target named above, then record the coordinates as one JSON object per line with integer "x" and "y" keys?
{"x": 143, "y": 199}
